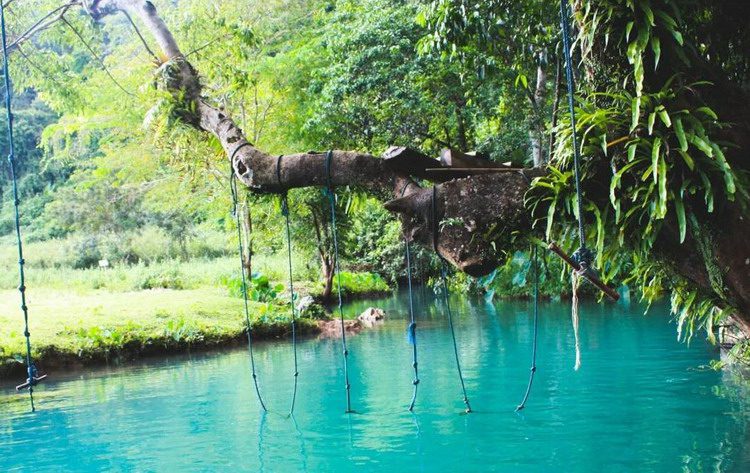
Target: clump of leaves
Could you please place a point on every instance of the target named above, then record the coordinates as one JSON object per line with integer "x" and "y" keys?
{"x": 259, "y": 288}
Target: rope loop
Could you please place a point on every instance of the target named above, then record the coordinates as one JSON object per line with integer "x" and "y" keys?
{"x": 535, "y": 336}
{"x": 243, "y": 276}
{"x": 292, "y": 294}
{"x": 337, "y": 271}
{"x": 446, "y": 297}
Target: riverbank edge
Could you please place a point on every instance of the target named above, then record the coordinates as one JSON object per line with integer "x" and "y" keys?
{"x": 51, "y": 358}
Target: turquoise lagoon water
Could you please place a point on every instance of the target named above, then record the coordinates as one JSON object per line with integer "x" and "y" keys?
{"x": 640, "y": 402}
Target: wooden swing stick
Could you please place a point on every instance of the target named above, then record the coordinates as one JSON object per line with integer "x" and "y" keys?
{"x": 609, "y": 291}
{"x": 30, "y": 383}
{"x": 475, "y": 170}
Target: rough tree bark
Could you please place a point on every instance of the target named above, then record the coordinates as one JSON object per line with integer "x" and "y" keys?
{"x": 474, "y": 210}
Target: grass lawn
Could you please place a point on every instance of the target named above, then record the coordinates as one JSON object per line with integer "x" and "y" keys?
{"x": 94, "y": 326}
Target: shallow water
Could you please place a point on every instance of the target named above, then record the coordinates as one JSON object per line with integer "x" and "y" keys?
{"x": 640, "y": 402}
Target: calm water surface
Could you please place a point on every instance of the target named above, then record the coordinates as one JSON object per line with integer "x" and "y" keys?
{"x": 640, "y": 402}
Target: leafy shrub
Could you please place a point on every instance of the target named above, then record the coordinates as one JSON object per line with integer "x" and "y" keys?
{"x": 374, "y": 242}
{"x": 86, "y": 253}
{"x": 209, "y": 244}
{"x": 359, "y": 284}
{"x": 169, "y": 278}
{"x": 151, "y": 244}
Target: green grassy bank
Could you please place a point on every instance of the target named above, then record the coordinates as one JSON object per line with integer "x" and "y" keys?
{"x": 81, "y": 317}
{"x": 76, "y": 329}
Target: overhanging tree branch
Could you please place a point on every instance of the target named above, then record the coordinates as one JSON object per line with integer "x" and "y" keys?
{"x": 476, "y": 211}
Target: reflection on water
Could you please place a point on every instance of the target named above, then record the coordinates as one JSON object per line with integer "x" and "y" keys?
{"x": 640, "y": 402}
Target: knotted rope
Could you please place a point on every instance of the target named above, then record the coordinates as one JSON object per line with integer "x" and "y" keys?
{"x": 32, "y": 374}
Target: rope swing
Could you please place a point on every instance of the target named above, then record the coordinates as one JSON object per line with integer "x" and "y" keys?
{"x": 446, "y": 295}
{"x": 285, "y": 213}
{"x": 581, "y": 260}
{"x": 33, "y": 378}
{"x": 411, "y": 331}
{"x": 241, "y": 250}
{"x": 532, "y": 371}
{"x": 344, "y": 351}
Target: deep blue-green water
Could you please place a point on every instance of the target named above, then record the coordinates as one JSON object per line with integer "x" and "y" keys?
{"x": 640, "y": 402}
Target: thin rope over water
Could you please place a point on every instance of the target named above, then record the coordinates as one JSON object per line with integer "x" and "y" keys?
{"x": 344, "y": 350}
{"x": 285, "y": 213}
{"x": 535, "y": 262}
{"x": 565, "y": 22}
{"x": 32, "y": 375}
{"x": 241, "y": 250}
{"x": 412, "y": 329}
{"x": 446, "y": 295}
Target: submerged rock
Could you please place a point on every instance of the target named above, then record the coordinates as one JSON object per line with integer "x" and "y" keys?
{"x": 367, "y": 319}
{"x": 371, "y": 317}
{"x": 332, "y": 328}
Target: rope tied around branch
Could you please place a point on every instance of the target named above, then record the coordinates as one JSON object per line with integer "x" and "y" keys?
{"x": 581, "y": 260}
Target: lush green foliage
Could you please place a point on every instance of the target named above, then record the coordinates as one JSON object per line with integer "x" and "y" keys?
{"x": 660, "y": 160}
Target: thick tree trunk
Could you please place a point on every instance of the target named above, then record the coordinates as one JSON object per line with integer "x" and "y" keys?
{"x": 326, "y": 268}
{"x": 323, "y": 245}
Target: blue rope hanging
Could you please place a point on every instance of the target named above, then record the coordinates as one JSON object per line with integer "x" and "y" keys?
{"x": 344, "y": 350}
{"x": 411, "y": 331}
{"x": 241, "y": 251}
{"x": 285, "y": 213}
{"x": 446, "y": 295}
{"x": 33, "y": 378}
{"x": 535, "y": 262}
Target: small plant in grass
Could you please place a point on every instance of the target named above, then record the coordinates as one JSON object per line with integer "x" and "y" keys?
{"x": 259, "y": 288}
{"x": 99, "y": 338}
{"x": 182, "y": 330}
